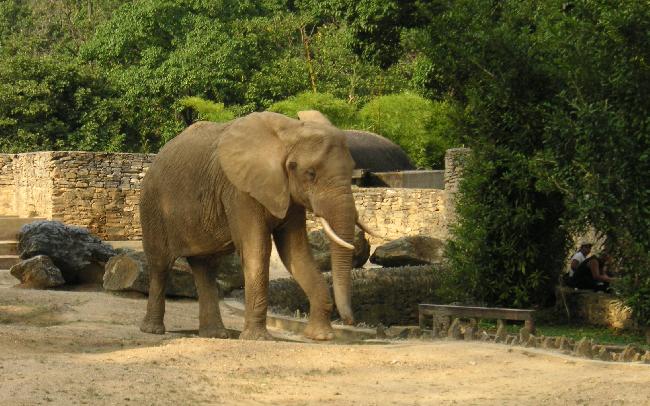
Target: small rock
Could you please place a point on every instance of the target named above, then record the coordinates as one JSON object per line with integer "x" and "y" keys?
{"x": 646, "y": 357}
{"x": 532, "y": 342}
{"x": 563, "y": 344}
{"x": 548, "y": 343}
{"x": 454, "y": 330}
{"x": 628, "y": 354}
{"x": 583, "y": 348}
{"x": 469, "y": 333}
{"x": 38, "y": 272}
{"x": 604, "y": 355}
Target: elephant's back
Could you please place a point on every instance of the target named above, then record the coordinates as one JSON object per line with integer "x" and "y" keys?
{"x": 178, "y": 197}
{"x": 198, "y": 136}
{"x": 188, "y": 153}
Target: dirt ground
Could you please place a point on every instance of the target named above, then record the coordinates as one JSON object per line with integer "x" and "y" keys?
{"x": 62, "y": 347}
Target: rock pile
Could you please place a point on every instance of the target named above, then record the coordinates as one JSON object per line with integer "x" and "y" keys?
{"x": 74, "y": 253}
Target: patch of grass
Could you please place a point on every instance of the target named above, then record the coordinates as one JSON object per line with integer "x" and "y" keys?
{"x": 600, "y": 335}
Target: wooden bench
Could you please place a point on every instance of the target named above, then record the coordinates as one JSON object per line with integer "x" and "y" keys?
{"x": 442, "y": 315}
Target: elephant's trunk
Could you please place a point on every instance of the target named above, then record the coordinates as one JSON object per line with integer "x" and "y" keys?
{"x": 340, "y": 213}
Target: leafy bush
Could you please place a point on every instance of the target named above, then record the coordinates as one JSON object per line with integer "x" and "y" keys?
{"x": 52, "y": 104}
{"x": 508, "y": 246}
{"x": 557, "y": 115}
{"x": 340, "y": 113}
{"x": 423, "y": 128}
{"x": 207, "y": 110}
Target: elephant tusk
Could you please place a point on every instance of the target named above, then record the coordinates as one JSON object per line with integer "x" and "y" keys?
{"x": 365, "y": 228}
{"x": 332, "y": 235}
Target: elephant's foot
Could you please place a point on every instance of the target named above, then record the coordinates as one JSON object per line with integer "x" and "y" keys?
{"x": 321, "y": 331}
{"x": 256, "y": 333}
{"x": 152, "y": 327}
{"x": 213, "y": 332}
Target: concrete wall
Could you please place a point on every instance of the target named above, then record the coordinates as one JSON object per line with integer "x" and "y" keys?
{"x": 101, "y": 191}
{"x": 423, "y": 179}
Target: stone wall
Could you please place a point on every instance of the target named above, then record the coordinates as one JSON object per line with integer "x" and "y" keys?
{"x": 28, "y": 184}
{"x": 393, "y": 213}
{"x": 6, "y": 184}
{"x": 100, "y": 191}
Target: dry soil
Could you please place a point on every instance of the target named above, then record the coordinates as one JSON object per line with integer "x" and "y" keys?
{"x": 68, "y": 348}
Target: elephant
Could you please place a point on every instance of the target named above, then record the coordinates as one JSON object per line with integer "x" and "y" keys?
{"x": 220, "y": 187}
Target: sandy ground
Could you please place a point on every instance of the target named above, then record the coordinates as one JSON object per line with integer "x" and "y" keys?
{"x": 68, "y": 348}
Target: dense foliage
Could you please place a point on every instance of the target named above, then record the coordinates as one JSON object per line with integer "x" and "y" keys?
{"x": 557, "y": 113}
{"x": 551, "y": 97}
{"x": 139, "y": 60}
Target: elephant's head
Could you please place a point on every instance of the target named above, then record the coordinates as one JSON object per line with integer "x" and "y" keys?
{"x": 279, "y": 161}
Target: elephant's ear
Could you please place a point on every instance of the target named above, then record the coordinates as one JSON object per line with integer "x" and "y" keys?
{"x": 314, "y": 116}
{"x": 252, "y": 156}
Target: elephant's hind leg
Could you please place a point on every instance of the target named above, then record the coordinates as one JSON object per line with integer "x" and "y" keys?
{"x": 210, "y": 322}
{"x": 153, "y": 320}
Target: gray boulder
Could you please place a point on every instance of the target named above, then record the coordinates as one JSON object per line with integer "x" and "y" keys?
{"x": 409, "y": 251}
{"x": 320, "y": 248}
{"x": 37, "y": 273}
{"x": 79, "y": 255}
{"x": 129, "y": 271}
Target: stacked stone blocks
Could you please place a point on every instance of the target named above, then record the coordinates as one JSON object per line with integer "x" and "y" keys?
{"x": 101, "y": 191}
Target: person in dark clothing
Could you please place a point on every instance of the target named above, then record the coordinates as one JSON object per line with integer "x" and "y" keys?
{"x": 592, "y": 274}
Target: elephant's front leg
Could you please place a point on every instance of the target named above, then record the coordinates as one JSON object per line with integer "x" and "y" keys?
{"x": 255, "y": 261}
{"x": 255, "y": 250}
{"x": 293, "y": 248}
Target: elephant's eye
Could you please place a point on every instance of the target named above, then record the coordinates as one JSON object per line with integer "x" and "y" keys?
{"x": 311, "y": 174}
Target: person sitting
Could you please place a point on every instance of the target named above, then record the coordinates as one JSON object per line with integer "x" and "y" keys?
{"x": 580, "y": 256}
{"x": 592, "y": 274}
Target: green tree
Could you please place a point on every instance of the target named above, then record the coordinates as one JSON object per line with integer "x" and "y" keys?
{"x": 339, "y": 112}
{"x": 50, "y": 104}
{"x": 421, "y": 127}
{"x": 206, "y": 110}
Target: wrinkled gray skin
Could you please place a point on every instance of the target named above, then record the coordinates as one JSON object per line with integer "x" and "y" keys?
{"x": 219, "y": 187}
